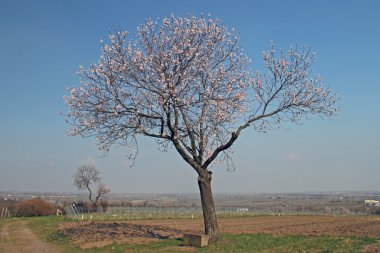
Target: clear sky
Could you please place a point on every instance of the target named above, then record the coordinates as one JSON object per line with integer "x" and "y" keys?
{"x": 43, "y": 43}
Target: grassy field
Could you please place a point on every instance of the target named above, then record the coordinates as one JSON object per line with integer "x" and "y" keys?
{"x": 47, "y": 229}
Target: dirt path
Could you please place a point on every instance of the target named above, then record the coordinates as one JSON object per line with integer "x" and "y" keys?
{"x": 16, "y": 237}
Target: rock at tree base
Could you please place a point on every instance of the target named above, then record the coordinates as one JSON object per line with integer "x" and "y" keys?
{"x": 195, "y": 240}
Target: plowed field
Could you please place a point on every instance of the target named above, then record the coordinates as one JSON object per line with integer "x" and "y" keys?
{"x": 97, "y": 233}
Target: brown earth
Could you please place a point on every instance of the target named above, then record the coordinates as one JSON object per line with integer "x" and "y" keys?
{"x": 100, "y": 233}
{"x": 16, "y": 237}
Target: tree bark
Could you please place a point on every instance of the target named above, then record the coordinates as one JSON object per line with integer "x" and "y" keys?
{"x": 209, "y": 214}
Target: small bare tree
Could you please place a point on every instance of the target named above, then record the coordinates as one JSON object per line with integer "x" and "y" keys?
{"x": 88, "y": 177}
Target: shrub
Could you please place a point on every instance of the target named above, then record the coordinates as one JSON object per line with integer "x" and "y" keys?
{"x": 34, "y": 207}
{"x": 9, "y": 204}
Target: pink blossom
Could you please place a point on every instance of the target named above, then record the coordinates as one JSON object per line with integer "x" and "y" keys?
{"x": 187, "y": 82}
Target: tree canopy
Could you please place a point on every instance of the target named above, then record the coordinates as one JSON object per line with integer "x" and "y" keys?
{"x": 186, "y": 81}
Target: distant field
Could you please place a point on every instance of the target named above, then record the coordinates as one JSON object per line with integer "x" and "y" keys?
{"x": 242, "y": 234}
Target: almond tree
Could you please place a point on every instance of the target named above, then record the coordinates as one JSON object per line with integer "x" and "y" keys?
{"x": 187, "y": 83}
{"x": 85, "y": 178}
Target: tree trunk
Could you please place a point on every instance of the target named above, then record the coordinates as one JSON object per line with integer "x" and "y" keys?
{"x": 209, "y": 214}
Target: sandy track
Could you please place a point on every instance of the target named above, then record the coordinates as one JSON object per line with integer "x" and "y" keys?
{"x": 16, "y": 237}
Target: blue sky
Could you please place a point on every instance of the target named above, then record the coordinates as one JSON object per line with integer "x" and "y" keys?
{"x": 43, "y": 43}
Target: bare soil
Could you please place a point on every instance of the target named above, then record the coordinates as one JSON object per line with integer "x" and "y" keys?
{"x": 16, "y": 237}
{"x": 100, "y": 233}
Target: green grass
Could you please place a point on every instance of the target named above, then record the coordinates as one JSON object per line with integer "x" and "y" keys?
{"x": 271, "y": 243}
{"x": 46, "y": 227}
